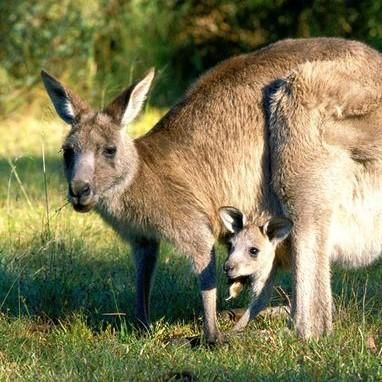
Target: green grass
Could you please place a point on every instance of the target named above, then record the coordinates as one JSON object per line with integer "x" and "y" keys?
{"x": 67, "y": 292}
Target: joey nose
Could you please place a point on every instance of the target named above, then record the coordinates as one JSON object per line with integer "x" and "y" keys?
{"x": 79, "y": 188}
{"x": 228, "y": 267}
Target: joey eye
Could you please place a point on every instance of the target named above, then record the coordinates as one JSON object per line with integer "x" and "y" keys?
{"x": 253, "y": 251}
{"x": 109, "y": 151}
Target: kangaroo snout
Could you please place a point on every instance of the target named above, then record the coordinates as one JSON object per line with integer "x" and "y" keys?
{"x": 79, "y": 188}
{"x": 81, "y": 195}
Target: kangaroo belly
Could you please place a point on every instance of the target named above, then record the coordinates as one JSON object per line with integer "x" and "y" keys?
{"x": 356, "y": 226}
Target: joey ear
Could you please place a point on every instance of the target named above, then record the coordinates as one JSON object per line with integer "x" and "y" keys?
{"x": 67, "y": 104}
{"x": 277, "y": 229}
{"x": 232, "y": 218}
{"x": 125, "y": 107}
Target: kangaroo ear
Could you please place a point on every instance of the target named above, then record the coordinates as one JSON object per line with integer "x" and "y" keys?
{"x": 125, "y": 108}
{"x": 67, "y": 104}
{"x": 277, "y": 229}
{"x": 232, "y": 218}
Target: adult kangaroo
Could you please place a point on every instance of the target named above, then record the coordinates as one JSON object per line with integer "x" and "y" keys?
{"x": 208, "y": 151}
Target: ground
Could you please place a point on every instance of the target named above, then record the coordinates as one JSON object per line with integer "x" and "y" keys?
{"x": 67, "y": 292}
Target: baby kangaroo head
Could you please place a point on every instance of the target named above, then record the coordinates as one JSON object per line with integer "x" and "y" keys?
{"x": 99, "y": 158}
{"x": 252, "y": 247}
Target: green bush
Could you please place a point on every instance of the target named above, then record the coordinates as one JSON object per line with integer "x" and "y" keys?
{"x": 101, "y": 45}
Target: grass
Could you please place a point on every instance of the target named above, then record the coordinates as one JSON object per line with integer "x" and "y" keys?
{"x": 67, "y": 292}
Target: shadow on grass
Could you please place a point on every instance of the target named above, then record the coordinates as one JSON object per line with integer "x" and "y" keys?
{"x": 60, "y": 281}
{"x": 55, "y": 281}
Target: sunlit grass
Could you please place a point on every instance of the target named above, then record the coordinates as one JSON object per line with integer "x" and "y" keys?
{"x": 67, "y": 294}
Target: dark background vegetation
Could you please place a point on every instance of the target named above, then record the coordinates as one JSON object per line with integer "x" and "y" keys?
{"x": 99, "y": 46}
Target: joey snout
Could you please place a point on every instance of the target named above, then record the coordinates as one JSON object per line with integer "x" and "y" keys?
{"x": 230, "y": 268}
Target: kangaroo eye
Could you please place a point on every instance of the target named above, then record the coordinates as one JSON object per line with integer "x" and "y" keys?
{"x": 253, "y": 251}
{"x": 68, "y": 151}
{"x": 67, "y": 148}
{"x": 109, "y": 151}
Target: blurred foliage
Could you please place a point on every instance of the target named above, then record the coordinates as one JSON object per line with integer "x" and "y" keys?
{"x": 100, "y": 46}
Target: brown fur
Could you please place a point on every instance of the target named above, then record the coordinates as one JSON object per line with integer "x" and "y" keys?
{"x": 209, "y": 150}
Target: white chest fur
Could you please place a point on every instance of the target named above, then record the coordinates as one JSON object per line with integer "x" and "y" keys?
{"x": 356, "y": 226}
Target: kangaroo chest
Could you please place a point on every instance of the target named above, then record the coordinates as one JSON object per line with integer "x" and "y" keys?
{"x": 123, "y": 224}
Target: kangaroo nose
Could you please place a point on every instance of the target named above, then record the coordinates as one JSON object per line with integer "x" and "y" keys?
{"x": 228, "y": 267}
{"x": 79, "y": 188}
